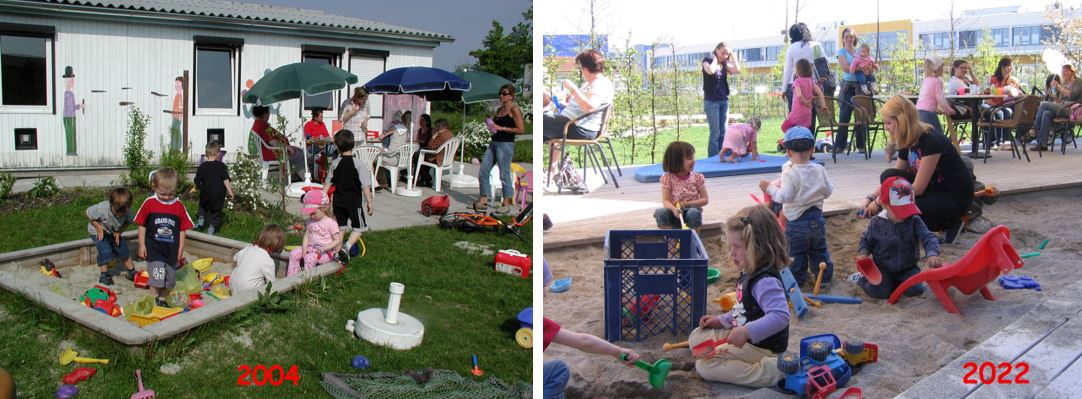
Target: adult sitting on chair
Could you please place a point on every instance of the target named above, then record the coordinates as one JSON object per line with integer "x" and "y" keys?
{"x": 441, "y": 134}
{"x": 1066, "y": 91}
{"x": 597, "y": 91}
{"x": 272, "y": 138}
{"x": 397, "y": 135}
{"x": 316, "y": 131}
{"x": 942, "y": 183}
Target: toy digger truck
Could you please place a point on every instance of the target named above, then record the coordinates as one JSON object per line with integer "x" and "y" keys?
{"x": 823, "y": 365}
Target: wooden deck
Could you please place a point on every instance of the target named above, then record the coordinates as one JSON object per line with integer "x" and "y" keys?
{"x": 584, "y": 219}
{"x": 1048, "y": 339}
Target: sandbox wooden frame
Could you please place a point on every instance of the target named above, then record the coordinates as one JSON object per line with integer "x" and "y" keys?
{"x": 80, "y": 253}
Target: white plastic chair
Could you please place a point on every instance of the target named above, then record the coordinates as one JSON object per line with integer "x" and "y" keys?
{"x": 449, "y": 147}
{"x": 404, "y": 151}
{"x": 267, "y": 164}
{"x": 369, "y": 154}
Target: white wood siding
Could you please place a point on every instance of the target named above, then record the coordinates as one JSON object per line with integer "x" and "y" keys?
{"x": 108, "y": 56}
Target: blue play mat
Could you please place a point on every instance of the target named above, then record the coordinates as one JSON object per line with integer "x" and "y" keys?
{"x": 712, "y": 167}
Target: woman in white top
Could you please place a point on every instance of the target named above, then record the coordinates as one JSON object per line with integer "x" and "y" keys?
{"x": 398, "y": 133}
{"x": 597, "y": 91}
{"x": 354, "y": 114}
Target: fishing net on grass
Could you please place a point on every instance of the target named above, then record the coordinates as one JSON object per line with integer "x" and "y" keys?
{"x": 439, "y": 384}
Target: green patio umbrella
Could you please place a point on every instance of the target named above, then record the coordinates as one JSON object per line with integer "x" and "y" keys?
{"x": 292, "y": 80}
{"x": 483, "y": 86}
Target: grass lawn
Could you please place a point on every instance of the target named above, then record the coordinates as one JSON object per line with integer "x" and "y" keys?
{"x": 465, "y": 305}
{"x": 769, "y": 135}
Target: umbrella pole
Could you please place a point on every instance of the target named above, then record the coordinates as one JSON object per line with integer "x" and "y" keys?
{"x": 461, "y": 180}
{"x": 410, "y": 191}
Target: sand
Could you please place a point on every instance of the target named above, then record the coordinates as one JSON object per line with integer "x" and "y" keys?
{"x": 76, "y": 280}
{"x": 915, "y": 337}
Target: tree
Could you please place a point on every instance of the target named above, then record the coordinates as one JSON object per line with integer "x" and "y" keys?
{"x": 675, "y": 87}
{"x": 507, "y": 55}
{"x": 653, "y": 102}
{"x": 985, "y": 56}
{"x": 900, "y": 74}
{"x": 1066, "y": 32}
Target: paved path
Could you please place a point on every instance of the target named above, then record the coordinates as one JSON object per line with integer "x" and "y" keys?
{"x": 392, "y": 211}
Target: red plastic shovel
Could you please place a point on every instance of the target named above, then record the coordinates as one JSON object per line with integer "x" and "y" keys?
{"x": 707, "y": 349}
{"x": 869, "y": 270}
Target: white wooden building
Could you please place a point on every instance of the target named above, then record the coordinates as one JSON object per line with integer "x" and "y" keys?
{"x": 113, "y": 52}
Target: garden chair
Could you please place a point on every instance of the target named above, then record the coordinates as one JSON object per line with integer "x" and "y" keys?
{"x": 267, "y": 163}
{"x": 992, "y": 255}
{"x": 523, "y": 183}
{"x": 1066, "y": 124}
{"x": 868, "y": 112}
{"x": 203, "y": 157}
{"x": 404, "y": 152}
{"x": 588, "y": 146}
{"x": 1025, "y": 111}
{"x": 956, "y": 122}
{"x": 448, "y": 148}
{"x": 828, "y": 122}
{"x": 369, "y": 154}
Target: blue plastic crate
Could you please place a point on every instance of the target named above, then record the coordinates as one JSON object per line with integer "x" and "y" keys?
{"x": 655, "y": 282}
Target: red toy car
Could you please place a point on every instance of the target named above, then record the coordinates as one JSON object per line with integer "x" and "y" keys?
{"x": 435, "y": 205}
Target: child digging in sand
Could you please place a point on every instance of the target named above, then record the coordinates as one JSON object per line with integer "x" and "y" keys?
{"x": 556, "y": 373}
{"x": 107, "y": 221}
{"x": 162, "y": 221}
{"x": 801, "y": 190}
{"x": 255, "y": 267}
{"x": 683, "y": 191}
{"x": 892, "y": 240}
{"x": 757, "y": 328}
{"x": 740, "y": 140}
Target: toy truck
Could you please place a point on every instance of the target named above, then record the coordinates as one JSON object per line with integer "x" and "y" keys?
{"x": 823, "y": 365}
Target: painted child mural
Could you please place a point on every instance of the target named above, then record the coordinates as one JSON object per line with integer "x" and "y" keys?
{"x": 69, "y": 110}
{"x": 175, "y": 136}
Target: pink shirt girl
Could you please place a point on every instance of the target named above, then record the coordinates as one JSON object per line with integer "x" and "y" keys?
{"x": 739, "y": 136}
{"x": 931, "y": 96}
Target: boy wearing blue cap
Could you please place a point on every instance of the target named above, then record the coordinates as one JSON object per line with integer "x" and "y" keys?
{"x": 801, "y": 189}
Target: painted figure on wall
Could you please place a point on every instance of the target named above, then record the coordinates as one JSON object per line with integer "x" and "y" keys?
{"x": 175, "y": 136}
{"x": 69, "y": 110}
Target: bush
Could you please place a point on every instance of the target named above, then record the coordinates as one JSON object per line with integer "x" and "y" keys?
{"x": 135, "y": 153}
{"x": 523, "y": 152}
{"x": 44, "y": 187}
{"x": 475, "y": 138}
{"x": 7, "y": 181}
{"x": 178, "y": 160}
{"x": 245, "y": 177}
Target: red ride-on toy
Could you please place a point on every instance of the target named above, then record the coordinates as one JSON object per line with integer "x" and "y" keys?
{"x": 435, "y": 205}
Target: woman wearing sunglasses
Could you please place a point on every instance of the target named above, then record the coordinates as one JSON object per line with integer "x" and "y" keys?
{"x": 507, "y": 123}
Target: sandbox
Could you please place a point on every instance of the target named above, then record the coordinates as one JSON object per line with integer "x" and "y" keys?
{"x": 76, "y": 262}
{"x": 916, "y": 337}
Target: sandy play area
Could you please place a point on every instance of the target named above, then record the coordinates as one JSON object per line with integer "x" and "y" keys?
{"x": 75, "y": 280}
{"x": 916, "y": 336}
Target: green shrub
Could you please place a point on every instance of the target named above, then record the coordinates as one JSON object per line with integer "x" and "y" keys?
{"x": 245, "y": 177}
{"x": 7, "y": 181}
{"x": 475, "y": 138}
{"x": 44, "y": 187}
{"x": 178, "y": 160}
{"x": 136, "y": 156}
{"x": 523, "y": 152}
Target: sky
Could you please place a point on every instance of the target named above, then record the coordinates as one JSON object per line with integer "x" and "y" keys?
{"x": 689, "y": 22}
{"x": 468, "y": 21}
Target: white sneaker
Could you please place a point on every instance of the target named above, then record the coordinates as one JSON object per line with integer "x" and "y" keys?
{"x": 855, "y": 278}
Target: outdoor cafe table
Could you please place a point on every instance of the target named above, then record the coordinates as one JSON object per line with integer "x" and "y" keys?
{"x": 971, "y": 101}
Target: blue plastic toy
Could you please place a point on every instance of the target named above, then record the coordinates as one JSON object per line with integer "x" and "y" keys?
{"x": 837, "y": 299}
{"x": 823, "y": 365}
{"x": 1018, "y": 282}
{"x": 360, "y": 362}
{"x": 561, "y": 285}
{"x": 796, "y": 298}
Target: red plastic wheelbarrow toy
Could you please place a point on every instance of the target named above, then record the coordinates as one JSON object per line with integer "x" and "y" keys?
{"x": 435, "y": 205}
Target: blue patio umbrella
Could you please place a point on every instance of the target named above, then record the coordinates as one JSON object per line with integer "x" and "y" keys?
{"x": 433, "y": 84}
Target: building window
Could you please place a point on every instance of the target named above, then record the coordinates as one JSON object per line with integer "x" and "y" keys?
{"x": 216, "y": 134}
{"x": 830, "y": 48}
{"x": 753, "y": 54}
{"x": 1001, "y": 37}
{"x": 1027, "y": 35}
{"x": 26, "y": 139}
{"x": 967, "y": 39}
{"x": 215, "y": 79}
{"x": 325, "y": 101}
{"x": 887, "y": 41}
{"x": 772, "y": 52}
{"x": 25, "y": 62}
{"x": 925, "y": 40}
